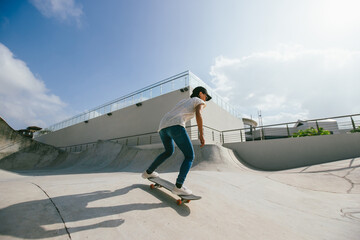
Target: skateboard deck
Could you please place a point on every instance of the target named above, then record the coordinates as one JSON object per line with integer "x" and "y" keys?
{"x": 159, "y": 182}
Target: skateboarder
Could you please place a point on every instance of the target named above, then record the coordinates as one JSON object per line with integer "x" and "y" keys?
{"x": 172, "y": 129}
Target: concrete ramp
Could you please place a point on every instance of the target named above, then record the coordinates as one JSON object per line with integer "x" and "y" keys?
{"x": 19, "y": 153}
{"x": 208, "y": 158}
{"x": 313, "y": 203}
{"x": 110, "y": 156}
{"x": 10, "y": 140}
{"x": 46, "y": 193}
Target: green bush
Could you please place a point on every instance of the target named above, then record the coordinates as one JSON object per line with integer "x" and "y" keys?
{"x": 311, "y": 132}
{"x": 355, "y": 130}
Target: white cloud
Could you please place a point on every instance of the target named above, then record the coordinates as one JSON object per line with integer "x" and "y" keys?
{"x": 291, "y": 82}
{"x": 63, "y": 10}
{"x": 24, "y": 99}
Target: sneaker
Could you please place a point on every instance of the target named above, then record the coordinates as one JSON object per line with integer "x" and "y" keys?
{"x": 181, "y": 191}
{"x": 152, "y": 175}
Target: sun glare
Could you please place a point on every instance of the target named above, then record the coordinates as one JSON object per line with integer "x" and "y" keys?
{"x": 338, "y": 15}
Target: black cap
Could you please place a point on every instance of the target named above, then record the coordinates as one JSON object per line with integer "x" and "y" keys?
{"x": 197, "y": 90}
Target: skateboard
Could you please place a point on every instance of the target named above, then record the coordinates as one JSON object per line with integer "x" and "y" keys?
{"x": 159, "y": 182}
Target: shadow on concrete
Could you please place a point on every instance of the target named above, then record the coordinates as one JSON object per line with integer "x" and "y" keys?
{"x": 332, "y": 170}
{"x": 182, "y": 210}
{"x": 51, "y": 217}
{"x": 66, "y": 171}
{"x": 328, "y": 168}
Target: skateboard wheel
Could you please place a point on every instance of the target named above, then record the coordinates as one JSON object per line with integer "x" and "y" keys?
{"x": 152, "y": 186}
{"x": 187, "y": 201}
{"x": 178, "y": 202}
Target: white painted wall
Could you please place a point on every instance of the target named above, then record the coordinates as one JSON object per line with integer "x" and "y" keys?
{"x": 128, "y": 121}
{"x": 135, "y": 120}
{"x": 280, "y": 154}
{"x": 214, "y": 115}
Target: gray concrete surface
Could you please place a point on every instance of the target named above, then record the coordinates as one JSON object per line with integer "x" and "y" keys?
{"x": 288, "y": 153}
{"x": 99, "y": 194}
{"x": 320, "y": 202}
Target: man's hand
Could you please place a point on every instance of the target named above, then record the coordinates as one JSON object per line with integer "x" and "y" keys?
{"x": 202, "y": 140}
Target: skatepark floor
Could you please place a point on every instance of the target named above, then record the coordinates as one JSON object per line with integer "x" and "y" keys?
{"x": 46, "y": 193}
{"x": 317, "y": 202}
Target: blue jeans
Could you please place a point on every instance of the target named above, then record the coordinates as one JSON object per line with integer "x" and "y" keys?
{"x": 178, "y": 135}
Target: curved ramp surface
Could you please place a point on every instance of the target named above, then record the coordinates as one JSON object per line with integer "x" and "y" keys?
{"x": 20, "y": 153}
{"x": 114, "y": 205}
{"x": 99, "y": 194}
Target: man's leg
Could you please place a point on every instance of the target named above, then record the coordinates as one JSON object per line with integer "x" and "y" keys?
{"x": 169, "y": 150}
{"x": 183, "y": 141}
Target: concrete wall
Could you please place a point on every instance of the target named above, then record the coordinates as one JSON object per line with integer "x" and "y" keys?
{"x": 135, "y": 120}
{"x": 128, "y": 121}
{"x": 220, "y": 119}
{"x": 280, "y": 154}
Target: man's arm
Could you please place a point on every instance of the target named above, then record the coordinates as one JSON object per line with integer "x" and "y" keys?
{"x": 199, "y": 121}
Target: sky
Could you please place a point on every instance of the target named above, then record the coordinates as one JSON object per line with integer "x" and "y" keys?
{"x": 289, "y": 59}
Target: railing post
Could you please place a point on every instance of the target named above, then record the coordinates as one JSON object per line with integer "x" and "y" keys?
{"x": 213, "y": 137}
{"x": 317, "y": 126}
{"x": 353, "y": 123}
{"x": 288, "y": 131}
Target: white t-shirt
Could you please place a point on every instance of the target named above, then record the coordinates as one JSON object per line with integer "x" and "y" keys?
{"x": 181, "y": 113}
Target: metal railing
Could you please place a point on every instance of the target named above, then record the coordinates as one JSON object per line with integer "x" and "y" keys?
{"x": 216, "y": 98}
{"x": 336, "y": 125}
{"x": 210, "y": 134}
{"x": 165, "y": 86}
